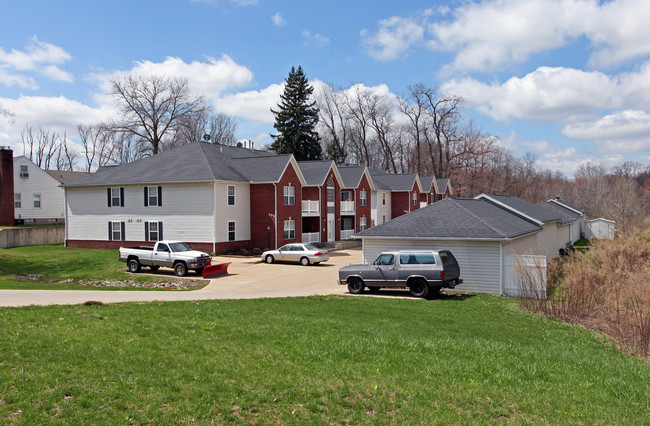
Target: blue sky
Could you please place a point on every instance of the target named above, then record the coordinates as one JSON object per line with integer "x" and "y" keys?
{"x": 568, "y": 80}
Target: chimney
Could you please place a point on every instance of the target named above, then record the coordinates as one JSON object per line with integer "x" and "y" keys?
{"x": 6, "y": 186}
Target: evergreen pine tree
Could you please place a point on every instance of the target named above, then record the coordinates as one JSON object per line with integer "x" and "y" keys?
{"x": 295, "y": 120}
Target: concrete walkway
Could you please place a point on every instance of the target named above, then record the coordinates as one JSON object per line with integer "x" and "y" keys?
{"x": 248, "y": 278}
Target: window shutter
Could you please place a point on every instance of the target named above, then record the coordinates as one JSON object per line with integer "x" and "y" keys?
{"x": 160, "y": 197}
{"x": 160, "y": 234}
{"x": 110, "y": 231}
{"x": 108, "y": 191}
{"x": 146, "y": 231}
{"x": 121, "y": 197}
{"x": 146, "y": 196}
{"x": 123, "y": 231}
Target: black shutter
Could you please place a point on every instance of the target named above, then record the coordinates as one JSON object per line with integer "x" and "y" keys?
{"x": 121, "y": 197}
{"x": 110, "y": 230}
{"x": 160, "y": 197}
{"x": 123, "y": 231}
{"x": 160, "y": 237}
{"x": 146, "y": 196}
{"x": 108, "y": 191}
{"x": 146, "y": 231}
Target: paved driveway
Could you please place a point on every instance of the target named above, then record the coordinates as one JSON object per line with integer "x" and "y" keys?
{"x": 248, "y": 278}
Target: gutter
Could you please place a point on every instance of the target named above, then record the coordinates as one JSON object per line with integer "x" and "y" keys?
{"x": 214, "y": 217}
{"x": 374, "y": 237}
{"x": 275, "y": 214}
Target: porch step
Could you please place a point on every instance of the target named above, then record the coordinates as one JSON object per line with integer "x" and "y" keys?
{"x": 344, "y": 244}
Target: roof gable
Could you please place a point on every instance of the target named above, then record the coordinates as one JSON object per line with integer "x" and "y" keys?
{"x": 316, "y": 172}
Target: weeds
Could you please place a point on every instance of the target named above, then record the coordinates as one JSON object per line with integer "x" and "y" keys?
{"x": 606, "y": 288}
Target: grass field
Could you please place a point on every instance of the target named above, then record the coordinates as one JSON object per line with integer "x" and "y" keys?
{"x": 470, "y": 359}
{"x": 53, "y": 267}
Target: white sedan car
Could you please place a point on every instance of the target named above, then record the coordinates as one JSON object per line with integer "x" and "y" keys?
{"x": 303, "y": 253}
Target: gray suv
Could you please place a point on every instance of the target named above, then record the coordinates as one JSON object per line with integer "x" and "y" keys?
{"x": 423, "y": 272}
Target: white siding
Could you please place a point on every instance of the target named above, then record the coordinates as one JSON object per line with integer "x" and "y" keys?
{"x": 547, "y": 242}
{"x": 575, "y": 230}
{"x": 187, "y": 212}
{"x": 377, "y": 209}
{"x": 480, "y": 262}
{"x": 38, "y": 182}
{"x": 240, "y": 212}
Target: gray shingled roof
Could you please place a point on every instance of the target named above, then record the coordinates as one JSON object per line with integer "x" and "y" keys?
{"x": 427, "y": 183}
{"x": 315, "y": 172}
{"x": 442, "y": 183}
{"x": 565, "y": 204}
{"x": 197, "y": 162}
{"x": 566, "y": 215}
{"x": 65, "y": 177}
{"x": 535, "y": 211}
{"x": 393, "y": 182}
{"x": 351, "y": 175}
{"x": 455, "y": 218}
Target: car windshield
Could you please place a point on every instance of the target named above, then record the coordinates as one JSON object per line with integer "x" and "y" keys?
{"x": 311, "y": 247}
{"x": 176, "y": 247}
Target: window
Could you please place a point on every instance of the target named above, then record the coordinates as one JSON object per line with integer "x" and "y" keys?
{"x": 289, "y": 195}
{"x": 415, "y": 199}
{"x": 383, "y": 218}
{"x": 116, "y": 197}
{"x": 330, "y": 191}
{"x": 152, "y": 196}
{"x": 346, "y": 195}
{"x": 231, "y": 230}
{"x": 363, "y": 198}
{"x": 363, "y": 224}
{"x": 231, "y": 196}
{"x": 116, "y": 231}
{"x": 23, "y": 172}
{"x": 384, "y": 259}
{"x": 162, "y": 247}
{"x": 347, "y": 224}
{"x": 417, "y": 259}
{"x": 383, "y": 198}
{"x": 289, "y": 229}
{"x": 17, "y": 202}
{"x": 37, "y": 201}
{"x": 153, "y": 231}
{"x": 438, "y": 197}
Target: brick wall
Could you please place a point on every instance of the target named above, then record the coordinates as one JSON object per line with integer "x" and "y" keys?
{"x": 399, "y": 201}
{"x": 6, "y": 187}
{"x": 363, "y": 211}
{"x": 337, "y": 208}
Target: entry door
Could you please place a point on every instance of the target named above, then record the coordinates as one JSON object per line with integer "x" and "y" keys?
{"x": 330, "y": 227}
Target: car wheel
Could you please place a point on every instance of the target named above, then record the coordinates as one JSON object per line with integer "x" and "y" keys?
{"x": 154, "y": 268}
{"x": 180, "y": 269}
{"x": 134, "y": 266}
{"x": 355, "y": 286}
{"x": 269, "y": 259}
{"x": 373, "y": 289}
{"x": 304, "y": 261}
{"x": 419, "y": 288}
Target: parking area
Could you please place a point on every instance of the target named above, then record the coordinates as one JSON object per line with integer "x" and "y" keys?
{"x": 247, "y": 278}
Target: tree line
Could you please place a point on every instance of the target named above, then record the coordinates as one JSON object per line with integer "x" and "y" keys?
{"x": 422, "y": 131}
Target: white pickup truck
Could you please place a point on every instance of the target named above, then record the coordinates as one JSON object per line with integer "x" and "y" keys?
{"x": 171, "y": 254}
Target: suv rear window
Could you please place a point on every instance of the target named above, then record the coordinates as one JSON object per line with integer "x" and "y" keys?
{"x": 447, "y": 258}
{"x": 417, "y": 259}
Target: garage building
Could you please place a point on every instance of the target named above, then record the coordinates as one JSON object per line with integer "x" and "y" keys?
{"x": 484, "y": 236}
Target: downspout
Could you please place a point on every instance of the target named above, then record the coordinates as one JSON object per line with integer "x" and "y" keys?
{"x": 65, "y": 203}
{"x": 501, "y": 285}
{"x": 275, "y": 217}
{"x": 320, "y": 217}
{"x": 214, "y": 217}
{"x": 356, "y": 200}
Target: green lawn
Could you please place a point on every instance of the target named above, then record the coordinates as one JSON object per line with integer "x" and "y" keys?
{"x": 57, "y": 267}
{"x": 319, "y": 360}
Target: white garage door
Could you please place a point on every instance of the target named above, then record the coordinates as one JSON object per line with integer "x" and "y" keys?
{"x": 480, "y": 262}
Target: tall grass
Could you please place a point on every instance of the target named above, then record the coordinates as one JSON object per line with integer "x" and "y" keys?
{"x": 606, "y": 288}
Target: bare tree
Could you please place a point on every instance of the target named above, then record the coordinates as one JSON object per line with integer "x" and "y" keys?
{"x": 67, "y": 155}
{"x": 41, "y": 147}
{"x": 414, "y": 107}
{"x": 99, "y": 145}
{"x": 220, "y": 129}
{"x": 153, "y": 107}
{"x": 333, "y": 123}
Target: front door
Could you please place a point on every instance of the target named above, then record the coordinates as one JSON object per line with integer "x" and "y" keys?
{"x": 383, "y": 272}
{"x": 331, "y": 209}
{"x": 330, "y": 227}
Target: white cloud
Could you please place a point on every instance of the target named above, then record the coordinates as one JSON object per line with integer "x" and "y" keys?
{"x": 394, "y": 38}
{"x": 252, "y": 105}
{"x": 622, "y": 132}
{"x": 210, "y": 78}
{"x": 318, "y": 40}
{"x": 489, "y": 34}
{"x": 278, "y": 20}
{"x": 38, "y": 57}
